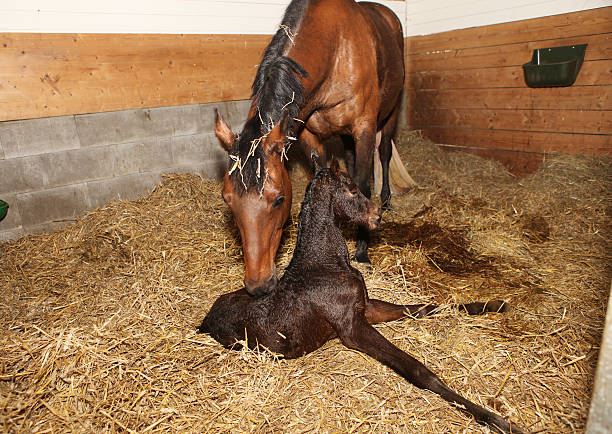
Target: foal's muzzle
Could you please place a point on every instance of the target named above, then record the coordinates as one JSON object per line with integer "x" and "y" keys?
{"x": 374, "y": 222}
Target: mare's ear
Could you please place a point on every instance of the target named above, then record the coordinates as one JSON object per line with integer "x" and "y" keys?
{"x": 223, "y": 132}
{"x": 335, "y": 166}
{"x": 275, "y": 142}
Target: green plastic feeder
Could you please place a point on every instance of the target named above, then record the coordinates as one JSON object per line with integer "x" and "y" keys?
{"x": 554, "y": 67}
{"x": 3, "y": 209}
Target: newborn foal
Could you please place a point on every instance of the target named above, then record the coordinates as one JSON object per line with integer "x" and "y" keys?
{"x": 321, "y": 296}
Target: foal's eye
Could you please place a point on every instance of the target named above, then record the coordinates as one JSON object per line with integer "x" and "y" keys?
{"x": 277, "y": 202}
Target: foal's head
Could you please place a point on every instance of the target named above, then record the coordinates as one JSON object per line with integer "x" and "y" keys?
{"x": 346, "y": 200}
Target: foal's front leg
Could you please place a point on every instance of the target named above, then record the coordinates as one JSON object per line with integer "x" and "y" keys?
{"x": 378, "y": 311}
{"x": 361, "y": 336}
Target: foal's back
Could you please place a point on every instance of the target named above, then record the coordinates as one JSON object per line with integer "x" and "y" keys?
{"x": 287, "y": 321}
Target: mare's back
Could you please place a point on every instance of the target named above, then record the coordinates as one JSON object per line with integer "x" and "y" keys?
{"x": 360, "y": 50}
{"x": 389, "y": 44}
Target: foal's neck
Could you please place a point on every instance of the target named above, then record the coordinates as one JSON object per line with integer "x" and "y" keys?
{"x": 320, "y": 241}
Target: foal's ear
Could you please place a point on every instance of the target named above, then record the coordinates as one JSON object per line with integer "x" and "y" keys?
{"x": 335, "y": 166}
{"x": 316, "y": 161}
{"x": 223, "y": 132}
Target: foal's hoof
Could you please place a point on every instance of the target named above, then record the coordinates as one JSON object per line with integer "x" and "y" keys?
{"x": 496, "y": 306}
{"x": 362, "y": 257}
{"x": 480, "y": 308}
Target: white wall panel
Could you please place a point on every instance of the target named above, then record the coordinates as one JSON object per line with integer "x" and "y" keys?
{"x": 425, "y": 17}
{"x": 148, "y": 16}
{"x": 253, "y": 16}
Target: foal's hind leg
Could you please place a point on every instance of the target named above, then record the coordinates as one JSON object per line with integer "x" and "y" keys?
{"x": 361, "y": 336}
{"x": 378, "y": 311}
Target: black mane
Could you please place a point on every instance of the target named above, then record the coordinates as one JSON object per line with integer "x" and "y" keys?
{"x": 276, "y": 86}
{"x": 276, "y": 89}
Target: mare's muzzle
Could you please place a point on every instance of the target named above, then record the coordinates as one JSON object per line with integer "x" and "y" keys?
{"x": 258, "y": 289}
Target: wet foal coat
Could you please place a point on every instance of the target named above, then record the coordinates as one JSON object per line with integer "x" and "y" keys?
{"x": 321, "y": 296}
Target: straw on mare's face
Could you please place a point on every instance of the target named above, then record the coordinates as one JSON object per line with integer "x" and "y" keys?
{"x": 260, "y": 212}
{"x": 336, "y": 68}
{"x": 321, "y": 296}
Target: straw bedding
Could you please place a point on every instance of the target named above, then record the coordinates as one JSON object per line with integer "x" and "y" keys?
{"x": 98, "y": 319}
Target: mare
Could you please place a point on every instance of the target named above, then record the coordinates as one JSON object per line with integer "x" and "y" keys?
{"x": 322, "y": 296}
{"x": 336, "y": 68}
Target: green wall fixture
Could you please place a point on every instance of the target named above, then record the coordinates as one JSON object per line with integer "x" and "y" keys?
{"x": 554, "y": 67}
{"x": 3, "y": 209}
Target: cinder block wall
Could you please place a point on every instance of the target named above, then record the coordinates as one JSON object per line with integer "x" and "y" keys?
{"x": 55, "y": 169}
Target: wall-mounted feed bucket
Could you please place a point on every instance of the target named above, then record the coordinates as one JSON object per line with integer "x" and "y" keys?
{"x": 3, "y": 209}
{"x": 554, "y": 67}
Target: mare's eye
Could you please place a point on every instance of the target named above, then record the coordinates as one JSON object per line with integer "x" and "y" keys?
{"x": 277, "y": 202}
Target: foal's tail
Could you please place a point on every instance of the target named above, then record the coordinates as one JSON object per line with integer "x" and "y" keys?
{"x": 204, "y": 326}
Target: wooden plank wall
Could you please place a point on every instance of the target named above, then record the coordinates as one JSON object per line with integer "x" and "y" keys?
{"x": 466, "y": 89}
{"x": 43, "y": 74}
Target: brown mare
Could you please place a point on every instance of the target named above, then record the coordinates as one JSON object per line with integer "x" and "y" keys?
{"x": 322, "y": 296}
{"x": 336, "y": 67}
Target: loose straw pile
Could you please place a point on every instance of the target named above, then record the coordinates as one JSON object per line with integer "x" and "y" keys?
{"x": 98, "y": 319}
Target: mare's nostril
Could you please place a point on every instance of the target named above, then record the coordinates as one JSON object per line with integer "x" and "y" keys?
{"x": 257, "y": 290}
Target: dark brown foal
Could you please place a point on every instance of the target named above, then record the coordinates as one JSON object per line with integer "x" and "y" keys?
{"x": 321, "y": 296}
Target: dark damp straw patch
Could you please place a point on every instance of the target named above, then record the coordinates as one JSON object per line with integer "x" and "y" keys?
{"x": 445, "y": 248}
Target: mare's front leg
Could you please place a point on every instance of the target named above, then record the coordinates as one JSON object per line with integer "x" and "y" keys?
{"x": 378, "y": 311}
{"x": 365, "y": 141}
{"x": 361, "y": 336}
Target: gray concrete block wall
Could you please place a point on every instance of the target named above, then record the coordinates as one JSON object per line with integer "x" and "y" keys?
{"x": 53, "y": 170}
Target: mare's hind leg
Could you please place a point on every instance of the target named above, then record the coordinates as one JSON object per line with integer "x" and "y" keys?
{"x": 384, "y": 150}
{"x": 378, "y": 311}
{"x": 364, "y": 152}
{"x": 359, "y": 335}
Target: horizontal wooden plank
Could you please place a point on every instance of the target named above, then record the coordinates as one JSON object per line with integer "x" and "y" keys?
{"x": 57, "y": 74}
{"x": 557, "y": 98}
{"x": 589, "y": 22}
{"x": 599, "y": 48}
{"x": 592, "y": 73}
{"x": 558, "y": 121}
{"x": 526, "y": 141}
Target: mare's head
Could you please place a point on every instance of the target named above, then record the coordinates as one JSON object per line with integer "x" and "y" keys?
{"x": 258, "y": 191}
{"x": 346, "y": 200}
